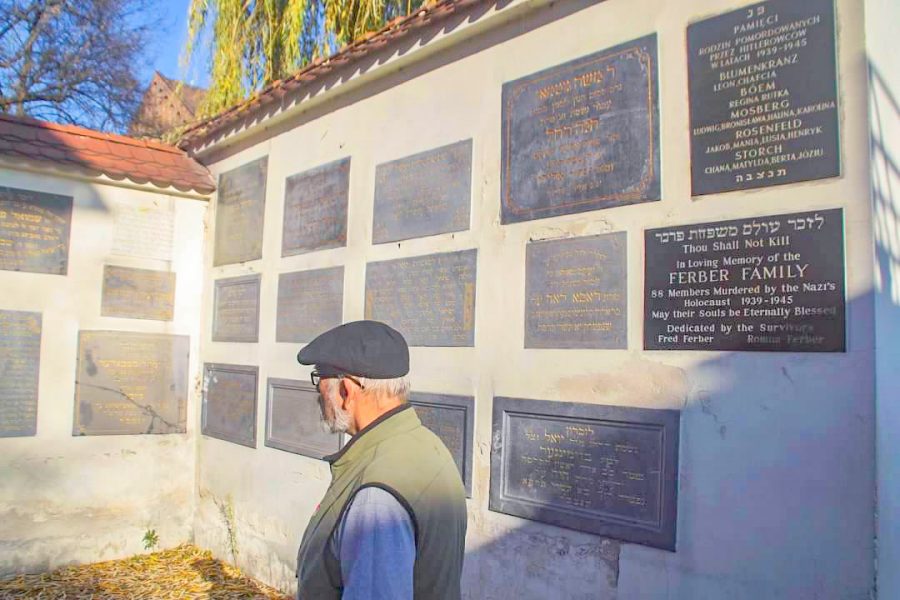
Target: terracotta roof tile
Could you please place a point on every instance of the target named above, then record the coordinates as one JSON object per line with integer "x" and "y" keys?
{"x": 93, "y": 152}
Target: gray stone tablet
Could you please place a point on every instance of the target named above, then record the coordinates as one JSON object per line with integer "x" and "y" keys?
{"x": 315, "y": 209}
{"x": 451, "y": 418}
{"x": 236, "y": 309}
{"x": 131, "y": 383}
{"x": 309, "y": 303}
{"x": 763, "y": 96}
{"x": 229, "y": 403}
{"x": 423, "y": 194}
{"x": 609, "y": 470}
{"x": 34, "y": 231}
{"x": 20, "y": 365}
{"x": 576, "y": 293}
{"x": 240, "y": 212}
{"x": 293, "y": 420}
{"x": 582, "y": 136}
{"x": 138, "y": 293}
{"x": 429, "y": 299}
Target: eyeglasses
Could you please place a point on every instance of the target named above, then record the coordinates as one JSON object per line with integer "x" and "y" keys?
{"x": 315, "y": 378}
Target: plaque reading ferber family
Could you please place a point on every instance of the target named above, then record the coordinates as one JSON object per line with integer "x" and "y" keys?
{"x": 131, "y": 383}
{"x": 240, "y": 210}
{"x": 309, "y": 303}
{"x": 293, "y": 420}
{"x": 772, "y": 283}
{"x": 34, "y": 231}
{"x": 229, "y": 403}
{"x": 763, "y": 95}
{"x": 452, "y": 419}
{"x": 236, "y": 309}
{"x": 315, "y": 209}
{"x": 20, "y": 363}
{"x": 582, "y": 136}
{"x": 608, "y": 470}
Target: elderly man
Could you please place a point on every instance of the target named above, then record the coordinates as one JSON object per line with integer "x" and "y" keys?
{"x": 392, "y": 524}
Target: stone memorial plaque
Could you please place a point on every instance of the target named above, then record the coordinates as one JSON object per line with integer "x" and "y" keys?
{"x": 608, "y": 470}
{"x": 34, "y": 231}
{"x": 145, "y": 231}
{"x": 451, "y": 418}
{"x": 240, "y": 212}
{"x": 429, "y": 299}
{"x": 229, "y": 403}
{"x": 293, "y": 420}
{"x": 309, "y": 303}
{"x": 131, "y": 383}
{"x": 315, "y": 209}
{"x": 20, "y": 364}
{"x": 576, "y": 293}
{"x": 763, "y": 96}
{"x": 773, "y": 283}
{"x": 582, "y": 136}
{"x": 236, "y": 309}
{"x": 138, "y": 293}
{"x": 423, "y": 194}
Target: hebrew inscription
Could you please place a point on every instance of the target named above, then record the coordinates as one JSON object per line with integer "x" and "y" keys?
{"x": 772, "y": 283}
{"x": 229, "y": 403}
{"x": 582, "y": 136}
{"x": 34, "y": 231}
{"x": 315, "y": 209}
{"x": 138, "y": 293}
{"x": 20, "y": 362}
{"x": 763, "y": 95}
{"x": 131, "y": 383}
{"x": 293, "y": 420}
{"x": 429, "y": 299}
{"x": 146, "y": 231}
{"x": 424, "y": 194}
{"x": 236, "y": 309}
{"x": 602, "y": 469}
{"x": 240, "y": 210}
{"x": 451, "y": 418}
{"x": 576, "y": 293}
{"x": 309, "y": 303}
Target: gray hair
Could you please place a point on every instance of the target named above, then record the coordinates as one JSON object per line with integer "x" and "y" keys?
{"x": 397, "y": 387}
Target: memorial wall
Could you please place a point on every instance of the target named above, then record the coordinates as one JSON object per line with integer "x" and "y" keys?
{"x": 629, "y": 244}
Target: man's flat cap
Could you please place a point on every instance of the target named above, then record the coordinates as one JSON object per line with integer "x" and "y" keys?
{"x": 364, "y": 348}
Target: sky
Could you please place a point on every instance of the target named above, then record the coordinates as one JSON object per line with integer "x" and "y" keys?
{"x": 166, "y": 48}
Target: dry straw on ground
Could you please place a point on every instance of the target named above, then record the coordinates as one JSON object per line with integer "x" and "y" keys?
{"x": 182, "y": 572}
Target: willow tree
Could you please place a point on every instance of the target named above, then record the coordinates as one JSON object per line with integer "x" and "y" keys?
{"x": 255, "y": 42}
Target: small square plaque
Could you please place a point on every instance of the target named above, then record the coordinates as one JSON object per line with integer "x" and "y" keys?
{"x": 293, "y": 420}
{"x": 229, "y": 403}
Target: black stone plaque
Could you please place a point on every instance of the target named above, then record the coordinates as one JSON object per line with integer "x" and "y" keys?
{"x": 773, "y": 283}
{"x": 608, "y": 470}
{"x": 293, "y": 420}
{"x": 582, "y": 136}
{"x": 131, "y": 383}
{"x": 451, "y": 418}
{"x": 240, "y": 211}
{"x": 138, "y": 293}
{"x": 309, "y": 303}
{"x": 236, "y": 309}
{"x": 429, "y": 299}
{"x": 576, "y": 293}
{"x": 229, "y": 403}
{"x": 315, "y": 209}
{"x": 20, "y": 364}
{"x": 763, "y": 95}
{"x": 424, "y": 194}
{"x": 34, "y": 231}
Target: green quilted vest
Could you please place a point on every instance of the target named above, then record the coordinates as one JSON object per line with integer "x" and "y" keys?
{"x": 398, "y": 454}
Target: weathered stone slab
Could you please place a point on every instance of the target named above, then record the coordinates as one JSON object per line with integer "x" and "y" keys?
{"x": 771, "y": 283}
{"x": 451, "y": 418}
{"x": 423, "y": 194}
{"x": 609, "y": 470}
{"x": 763, "y": 96}
{"x": 229, "y": 404}
{"x": 315, "y": 208}
{"x": 236, "y": 309}
{"x": 131, "y": 383}
{"x": 576, "y": 293}
{"x": 309, "y": 303}
{"x": 582, "y": 136}
{"x": 34, "y": 231}
{"x": 138, "y": 293}
{"x": 144, "y": 230}
{"x": 429, "y": 299}
{"x": 20, "y": 365}
{"x": 240, "y": 213}
{"x": 293, "y": 420}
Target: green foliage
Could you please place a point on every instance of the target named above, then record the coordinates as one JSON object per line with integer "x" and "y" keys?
{"x": 151, "y": 540}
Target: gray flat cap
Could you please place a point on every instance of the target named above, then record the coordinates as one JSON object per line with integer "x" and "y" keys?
{"x": 364, "y": 348}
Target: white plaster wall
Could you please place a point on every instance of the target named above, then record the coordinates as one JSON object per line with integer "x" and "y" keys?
{"x": 777, "y": 471}
{"x": 66, "y": 499}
